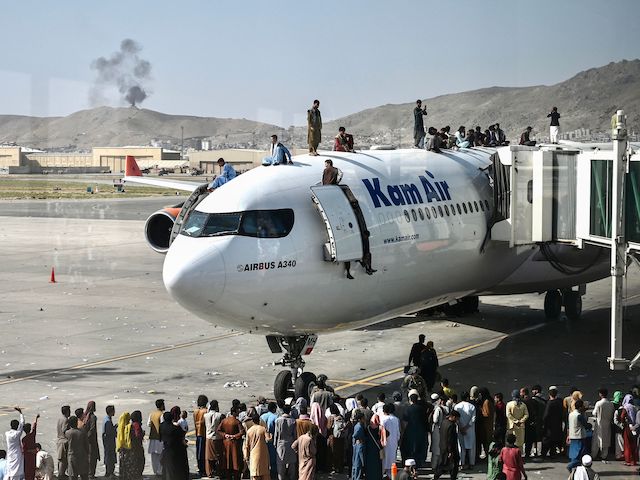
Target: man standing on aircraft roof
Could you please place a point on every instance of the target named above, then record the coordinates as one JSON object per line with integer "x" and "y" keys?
{"x": 418, "y": 124}
{"x": 435, "y": 142}
{"x": 524, "y": 138}
{"x": 554, "y": 128}
{"x": 226, "y": 173}
{"x": 314, "y": 128}
{"x": 343, "y": 141}
{"x": 278, "y": 153}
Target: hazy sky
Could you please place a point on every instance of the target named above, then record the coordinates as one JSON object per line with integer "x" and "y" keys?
{"x": 267, "y": 60}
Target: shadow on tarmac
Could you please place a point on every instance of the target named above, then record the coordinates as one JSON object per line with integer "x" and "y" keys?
{"x": 560, "y": 353}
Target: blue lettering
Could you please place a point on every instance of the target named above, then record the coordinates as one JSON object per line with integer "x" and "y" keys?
{"x": 411, "y": 193}
{"x": 375, "y": 192}
{"x": 445, "y": 187}
{"x": 395, "y": 194}
{"x": 429, "y": 190}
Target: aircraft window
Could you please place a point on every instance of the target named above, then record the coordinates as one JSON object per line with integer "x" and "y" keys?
{"x": 413, "y": 214}
{"x": 421, "y": 214}
{"x": 470, "y": 207}
{"x": 446, "y": 210}
{"x": 459, "y": 209}
{"x": 426, "y": 212}
{"x": 406, "y": 215}
{"x": 253, "y": 223}
{"x": 464, "y": 206}
{"x": 440, "y": 211}
{"x": 435, "y": 213}
{"x": 481, "y": 206}
{"x": 486, "y": 202}
{"x": 476, "y": 205}
{"x": 453, "y": 209}
{"x": 267, "y": 223}
{"x": 200, "y": 224}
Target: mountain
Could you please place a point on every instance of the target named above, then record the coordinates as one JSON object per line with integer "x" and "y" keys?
{"x": 107, "y": 126}
{"x": 586, "y": 100}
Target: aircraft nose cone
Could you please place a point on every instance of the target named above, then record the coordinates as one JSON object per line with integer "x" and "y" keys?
{"x": 194, "y": 274}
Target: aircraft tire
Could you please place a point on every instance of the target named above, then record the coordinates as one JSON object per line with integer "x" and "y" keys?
{"x": 282, "y": 385}
{"x": 572, "y": 305}
{"x": 304, "y": 383}
{"x": 470, "y": 304}
{"x": 552, "y": 304}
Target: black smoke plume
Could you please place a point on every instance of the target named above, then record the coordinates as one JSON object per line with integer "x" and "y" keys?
{"x": 125, "y": 70}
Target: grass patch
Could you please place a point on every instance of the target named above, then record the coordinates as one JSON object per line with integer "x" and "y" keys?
{"x": 11, "y": 189}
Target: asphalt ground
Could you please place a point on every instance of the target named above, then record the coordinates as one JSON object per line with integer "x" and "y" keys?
{"x": 107, "y": 331}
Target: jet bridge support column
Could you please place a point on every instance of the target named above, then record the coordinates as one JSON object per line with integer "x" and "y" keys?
{"x": 618, "y": 241}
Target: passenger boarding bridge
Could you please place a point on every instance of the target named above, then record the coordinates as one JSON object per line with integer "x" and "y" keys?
{"x": 558, "y": 194}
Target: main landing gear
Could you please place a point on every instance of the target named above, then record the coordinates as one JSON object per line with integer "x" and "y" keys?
{"x": 293, "y": 382}
{"x": 554, "y": 300}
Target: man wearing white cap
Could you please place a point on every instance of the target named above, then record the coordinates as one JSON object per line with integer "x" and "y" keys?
{"x": 409, "y": 470}
{"x": 584, "y": 471}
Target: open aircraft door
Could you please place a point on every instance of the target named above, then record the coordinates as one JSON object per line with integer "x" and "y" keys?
{"x": 344, "y": 229}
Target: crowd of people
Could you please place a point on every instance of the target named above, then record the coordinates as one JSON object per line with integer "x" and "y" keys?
{"x": 492, "y": 136}
{"x": 426, "y": 424}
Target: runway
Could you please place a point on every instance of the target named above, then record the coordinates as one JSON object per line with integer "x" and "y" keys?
{"x": 108, "y": 331}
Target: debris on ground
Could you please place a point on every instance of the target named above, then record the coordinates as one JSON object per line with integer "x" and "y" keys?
{"x": 236, "y": 384}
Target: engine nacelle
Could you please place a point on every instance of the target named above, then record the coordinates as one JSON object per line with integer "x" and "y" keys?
{"x": 157, "y": 229}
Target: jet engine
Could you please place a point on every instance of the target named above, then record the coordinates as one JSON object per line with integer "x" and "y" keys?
{"x": 157, "y": 229}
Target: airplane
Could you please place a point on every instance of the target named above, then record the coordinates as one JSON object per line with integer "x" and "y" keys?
{"x": 267, "y": 252}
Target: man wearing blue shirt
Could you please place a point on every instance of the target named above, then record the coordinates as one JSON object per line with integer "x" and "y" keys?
{"x": 226, "y": 173}
{"x": 358, "y": 439}
{"x": 269, "y": 421}
{"x": 278, "y": 153}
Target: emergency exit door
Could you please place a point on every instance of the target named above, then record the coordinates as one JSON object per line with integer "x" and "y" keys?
{"x": 341, "y": 222}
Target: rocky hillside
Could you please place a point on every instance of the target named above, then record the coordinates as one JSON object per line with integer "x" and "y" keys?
{"x": 107, "y": 126}
{"x": 586, "y": 100}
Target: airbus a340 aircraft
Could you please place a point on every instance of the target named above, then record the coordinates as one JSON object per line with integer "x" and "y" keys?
{"x": 266, "y": 252}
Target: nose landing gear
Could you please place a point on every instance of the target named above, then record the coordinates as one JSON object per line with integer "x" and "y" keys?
{"x": 293, "y": 382}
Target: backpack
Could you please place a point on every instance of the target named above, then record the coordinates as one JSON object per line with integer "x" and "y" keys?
{"x": 338, "y": 427}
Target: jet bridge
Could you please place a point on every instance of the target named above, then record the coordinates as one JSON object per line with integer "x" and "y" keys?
{"x": 577, "y": 196}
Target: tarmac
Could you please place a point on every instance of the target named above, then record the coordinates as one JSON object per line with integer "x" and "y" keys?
{"x": 108, "y": 331}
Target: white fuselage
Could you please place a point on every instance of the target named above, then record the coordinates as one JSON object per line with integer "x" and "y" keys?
{"x": 425, "y": 241}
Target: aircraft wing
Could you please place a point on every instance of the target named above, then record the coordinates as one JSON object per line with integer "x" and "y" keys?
{"x": 133, "y": 174}
{"x": 159, "y": 182}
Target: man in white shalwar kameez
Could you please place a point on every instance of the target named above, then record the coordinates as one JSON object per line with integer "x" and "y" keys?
{"x": 467, "y": 431}
{"x": 603, "y": 412}
{"x": 391, "y": 424}
{"x": 15, "y": 458}
{"x": 438, "y": 415}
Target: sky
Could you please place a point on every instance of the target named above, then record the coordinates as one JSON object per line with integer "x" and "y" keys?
{"x": 268, "y": 60}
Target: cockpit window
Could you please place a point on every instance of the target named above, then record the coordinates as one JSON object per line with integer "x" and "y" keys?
{"x": 252, "y": 223}
{"x": 267, "y": 223}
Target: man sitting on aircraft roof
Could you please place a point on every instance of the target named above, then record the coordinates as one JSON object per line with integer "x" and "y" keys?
{"x": 435, "y": 142}
{"x": 343, "y": 141}
{"x": 227, "y": 173}
{"x": 524, "y": 138}
{"x": 279, "y": 154}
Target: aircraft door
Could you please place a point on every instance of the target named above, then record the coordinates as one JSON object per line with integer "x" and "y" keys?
{"x": 342, "y": 224}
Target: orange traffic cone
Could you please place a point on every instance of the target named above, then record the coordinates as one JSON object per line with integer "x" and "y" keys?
{"x": 394, "y": 471}
{"x": 53, "y": 276}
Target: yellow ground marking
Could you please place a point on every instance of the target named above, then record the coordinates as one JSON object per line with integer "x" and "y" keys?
{"x": 368, "y": 384}
{"x": 97, "y": 363}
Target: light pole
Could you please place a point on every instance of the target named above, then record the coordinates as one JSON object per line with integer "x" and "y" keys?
{"x": 181, "y": 143}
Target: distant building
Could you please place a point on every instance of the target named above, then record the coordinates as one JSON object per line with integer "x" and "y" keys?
{"x": 15, "y": 159}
